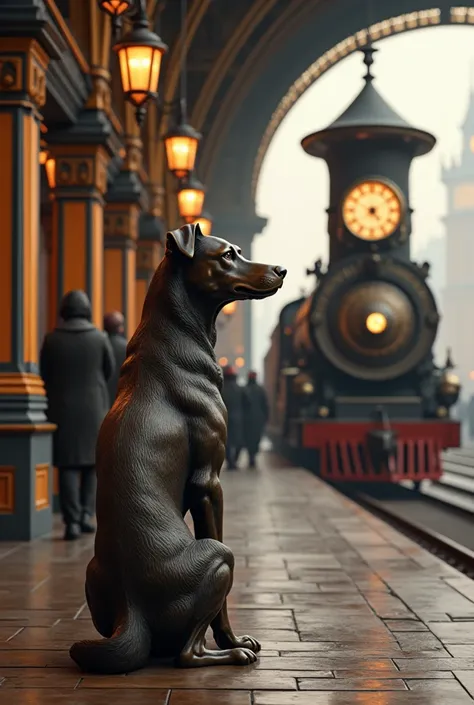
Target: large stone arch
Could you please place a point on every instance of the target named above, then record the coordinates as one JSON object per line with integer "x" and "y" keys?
{"x": 255, "y": 105}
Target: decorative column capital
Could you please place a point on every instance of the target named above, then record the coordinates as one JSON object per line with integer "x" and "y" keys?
{"x": 121, "y": 225}
{"x": 92, "y": 129}
{"x": 80, "y": 170}
{"x": 126, "y": 188}
{"x": 149, "y": 256}
{"x": 23, "y": 64}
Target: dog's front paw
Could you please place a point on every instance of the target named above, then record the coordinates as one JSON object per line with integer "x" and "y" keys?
{"x": 229, "y": 641}
{"x": 248, "y": 642}
{"x": 242, "y": 657}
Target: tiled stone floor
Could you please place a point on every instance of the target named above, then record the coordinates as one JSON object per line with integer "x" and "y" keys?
{"x": 349, "y": 611}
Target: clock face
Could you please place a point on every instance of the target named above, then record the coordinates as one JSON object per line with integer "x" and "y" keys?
{"x": 372, "y": 210}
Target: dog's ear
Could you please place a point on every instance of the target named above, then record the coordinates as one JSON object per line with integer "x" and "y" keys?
{"x": 197, "y": 230}
{"x": 184, "y": 239}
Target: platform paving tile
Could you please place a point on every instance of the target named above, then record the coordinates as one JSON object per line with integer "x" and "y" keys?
{"x": 349, "y": 611}
{"x": 361, "y": 698}
{"x": 467, "y": 680}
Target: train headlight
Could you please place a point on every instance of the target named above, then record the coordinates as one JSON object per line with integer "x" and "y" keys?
{"x": 376, "y": 323}
{"x": 307, "y": 388}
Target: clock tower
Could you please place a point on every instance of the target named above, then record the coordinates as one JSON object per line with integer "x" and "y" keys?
{"x": 458, "y": 299}
{"x": 369, "y": 150}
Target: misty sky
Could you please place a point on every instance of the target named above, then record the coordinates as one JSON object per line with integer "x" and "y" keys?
{"x": 425, "y": 75}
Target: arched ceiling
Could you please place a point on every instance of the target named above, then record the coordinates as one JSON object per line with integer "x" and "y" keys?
{"x": 249, "y": 61}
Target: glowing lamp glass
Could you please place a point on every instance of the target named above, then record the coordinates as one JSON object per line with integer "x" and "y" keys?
{"x": 376, "y": 323}
{"x": 239, "y": 362}
{"x": 115, "y": 8}
{"x": 223, "y": 361}
{"x": 190, "y": 202}
{"x": 230, "y": 308}
{"x": 50, "y": 166}
{"x": 43, "y": 156}
{"x": 140, "y": 72}
{"x": 181, "y": 153}
{"x": 205, "y": 224}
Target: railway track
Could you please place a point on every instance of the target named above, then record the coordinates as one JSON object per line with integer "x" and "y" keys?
{"x": 444, "y": 528}
{"x": 440, "y": 516}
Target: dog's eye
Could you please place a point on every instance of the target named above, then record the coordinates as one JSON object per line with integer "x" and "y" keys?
{"x": 227, "y": 255}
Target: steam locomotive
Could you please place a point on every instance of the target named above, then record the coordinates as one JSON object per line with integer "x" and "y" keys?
{"x": 353, "y": 388}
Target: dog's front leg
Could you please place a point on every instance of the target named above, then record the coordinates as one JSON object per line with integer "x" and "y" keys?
{"x": 205, "y": 501}
{"x": 207, "y": 510}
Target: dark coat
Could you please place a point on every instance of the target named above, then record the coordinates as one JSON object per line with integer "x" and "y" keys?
{"x": 233, "y": 396}
{"x": 119, "y": 346}
{"x": 76, "y": 361}
{"x": 255, "y": 416}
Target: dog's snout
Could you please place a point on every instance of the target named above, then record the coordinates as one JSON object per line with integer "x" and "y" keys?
{"x": 281, "y": 271}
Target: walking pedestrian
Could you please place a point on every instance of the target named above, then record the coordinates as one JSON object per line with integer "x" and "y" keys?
{"x": 255, "y": 415}
{"x": 76, "y": 361}
{"x": 114, "y": 326}
{"x": 233, "y": 396}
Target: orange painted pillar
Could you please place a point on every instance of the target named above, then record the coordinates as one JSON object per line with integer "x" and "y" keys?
{"x": 78, "y": 225}
{"x": 120, "y": 238}
{"x": 149, "y": 255}
{"x": 25, "y": 435}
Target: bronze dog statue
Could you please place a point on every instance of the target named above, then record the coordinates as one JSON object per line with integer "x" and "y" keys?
{"x": 153, "y": 589}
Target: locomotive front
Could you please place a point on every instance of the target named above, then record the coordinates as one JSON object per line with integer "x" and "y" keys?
{"x": 368, "y": 397}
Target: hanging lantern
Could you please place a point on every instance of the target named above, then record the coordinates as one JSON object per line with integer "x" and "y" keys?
{"x": 230, "y": 308}
{"x": 116, "y": 9}
{"x": 190, "y": 199}
{"x": 140, "y": 53}
{"x": 205, "y": 223}
{"x": 50, "y": 167}
{"x": 181, "y": 143}
{"x": 49, "y": 164}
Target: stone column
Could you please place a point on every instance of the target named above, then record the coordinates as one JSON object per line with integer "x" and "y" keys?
{"x": 78, "y": 222}
{"x": 82, "y": 155}
{"x": 149, "y": 255}
{"x": 25, "y": 435}
{"x": 234, "y": 340}
{"x": 122, "y": 214}
{"x": 150, "y": 245}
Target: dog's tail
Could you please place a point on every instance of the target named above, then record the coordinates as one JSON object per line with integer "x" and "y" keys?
{"x": 128, "y": 649}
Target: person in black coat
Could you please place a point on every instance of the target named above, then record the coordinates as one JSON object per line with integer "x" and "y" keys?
{"x": 76, "y": 361}
{"x": 114, "y": 325}
{"x": 255, "y": 415}
{"x": 233, "y": 396}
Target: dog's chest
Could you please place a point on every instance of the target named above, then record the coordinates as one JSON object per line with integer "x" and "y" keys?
{"x": 208, "y": 423}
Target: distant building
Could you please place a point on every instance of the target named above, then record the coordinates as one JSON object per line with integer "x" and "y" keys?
{"x": 458, "y": 299}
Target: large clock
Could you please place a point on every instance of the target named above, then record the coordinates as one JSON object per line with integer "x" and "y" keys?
{"x": 372, "y": 210}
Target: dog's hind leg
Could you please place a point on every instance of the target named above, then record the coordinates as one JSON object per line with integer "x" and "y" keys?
{"x": 208, "y": 601}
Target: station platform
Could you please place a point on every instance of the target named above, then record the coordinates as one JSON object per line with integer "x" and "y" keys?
{"x": 348, "y": 610}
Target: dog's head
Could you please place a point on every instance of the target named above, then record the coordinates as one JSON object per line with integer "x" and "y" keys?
{"x": 214, "y": 268}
